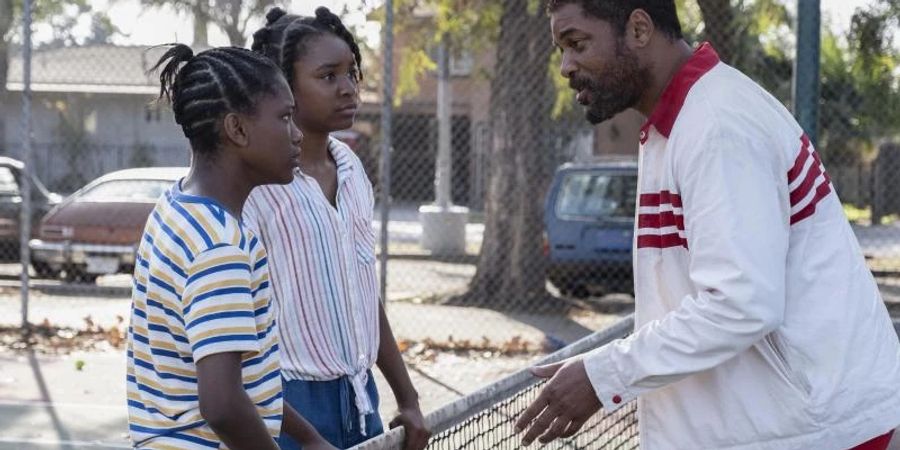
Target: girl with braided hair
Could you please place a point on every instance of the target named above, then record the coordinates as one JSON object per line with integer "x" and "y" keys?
{"x": 318, "y": 232}
{"x": 202, "y": 361}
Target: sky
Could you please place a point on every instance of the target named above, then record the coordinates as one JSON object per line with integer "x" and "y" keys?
{"x": 149, "y": 26}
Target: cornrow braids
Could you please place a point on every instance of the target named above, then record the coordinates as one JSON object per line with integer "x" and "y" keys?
{"x": 203, "y": 88}
{"x": 283, "y": 39}
{"x": 663, "y": 12}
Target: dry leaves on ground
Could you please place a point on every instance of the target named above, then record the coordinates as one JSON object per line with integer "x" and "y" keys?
{"x": 47, "y": 338}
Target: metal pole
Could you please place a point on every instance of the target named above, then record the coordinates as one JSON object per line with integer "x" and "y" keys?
{"x": 806, "y": 67}
{"x": 444, "y": 160}
{"x": 386, "y": 140}
{"x": 25, "y": 182}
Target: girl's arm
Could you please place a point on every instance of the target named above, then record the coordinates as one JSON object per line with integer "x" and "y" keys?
{"x": 225, "y": 406}
{"x": 302, "y": 431}
{"x": 392, "y": 366}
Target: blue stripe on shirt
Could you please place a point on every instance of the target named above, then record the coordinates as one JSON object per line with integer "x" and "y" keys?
{"x": 217, "y": 269}
{"x": 225, "y": 338}
{"x": 215, "y": 293}
{"x": 193, "y": 222}
{"x": 172, "y": 235}
{"x": 219, "y": 315}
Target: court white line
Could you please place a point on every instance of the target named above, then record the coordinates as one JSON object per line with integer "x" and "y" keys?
{"x": 55, "y": 442}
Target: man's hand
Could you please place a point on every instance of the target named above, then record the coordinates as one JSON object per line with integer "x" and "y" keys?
{"x": 563, "y": 406}
{"x": 413, "y": 423}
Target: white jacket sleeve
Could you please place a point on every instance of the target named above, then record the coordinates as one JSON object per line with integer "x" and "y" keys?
{"x": 736, "y": 211}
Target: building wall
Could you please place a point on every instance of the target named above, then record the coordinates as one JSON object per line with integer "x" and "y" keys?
{"x": 77, "y": 137}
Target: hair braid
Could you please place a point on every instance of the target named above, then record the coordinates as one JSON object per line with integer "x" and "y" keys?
{"x": 203, "y": 88}
{"x": 284, "y": 37}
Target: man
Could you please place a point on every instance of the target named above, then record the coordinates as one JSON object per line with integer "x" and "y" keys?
{"x": 758, "y": 325}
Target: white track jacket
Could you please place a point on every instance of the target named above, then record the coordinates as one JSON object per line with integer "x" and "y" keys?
{"x": 758, "y": 324}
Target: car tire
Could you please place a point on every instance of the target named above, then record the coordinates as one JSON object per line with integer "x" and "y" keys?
{"x": 44, "y": 270}
{"x": 76, "y": 275}
{"x": 579, "y": 291}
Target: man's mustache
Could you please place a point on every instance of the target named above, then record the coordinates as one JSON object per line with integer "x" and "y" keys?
{"x": 579, "y": 84}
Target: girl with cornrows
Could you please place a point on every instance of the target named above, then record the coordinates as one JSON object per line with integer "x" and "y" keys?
{"x": 202, "y": 361}
{"x": 318, "y": 232}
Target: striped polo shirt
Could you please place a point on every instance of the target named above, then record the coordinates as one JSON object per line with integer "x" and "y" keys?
{"x": 323, "y": 272}
{"x": 201, "y": 287}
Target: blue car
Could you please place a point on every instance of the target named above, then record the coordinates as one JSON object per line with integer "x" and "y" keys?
{"x": 589, "y": 227}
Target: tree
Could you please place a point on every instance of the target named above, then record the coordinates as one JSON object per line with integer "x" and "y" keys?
{"x": 528, "y": 128}
{"x": 471, "y": 25}
{"x": 54, "y": 11}
{"x": 6, "y": 21}
{"x": 231, "y": 16}
{"x": 720, "y": 19}
{"x": 511, "y": 269}
{"x": 860, "y": 91}
{"x": 42, "y": 10}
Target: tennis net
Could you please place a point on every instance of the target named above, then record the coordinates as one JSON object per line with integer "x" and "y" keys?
{"x": 486, "y": 419}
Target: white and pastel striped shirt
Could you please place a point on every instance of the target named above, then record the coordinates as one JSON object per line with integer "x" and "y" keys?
{"x": 201, "y": 287}
{"x": 323, "y": 273}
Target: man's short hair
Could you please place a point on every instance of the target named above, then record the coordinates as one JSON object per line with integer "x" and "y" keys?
{"x": 617, "y": 12}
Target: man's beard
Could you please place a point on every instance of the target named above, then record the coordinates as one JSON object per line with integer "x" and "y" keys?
{"x": 615, "y": 90}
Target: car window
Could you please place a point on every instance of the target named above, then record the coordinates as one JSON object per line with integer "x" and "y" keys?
{"x": 126, "y": 191}
{"x": 597, "y": 195}
{"x": 8, "y": 184}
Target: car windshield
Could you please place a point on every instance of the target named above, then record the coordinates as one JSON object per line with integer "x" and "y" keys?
{"x": 126, "y": 191}
{"x": 597, "y": 195}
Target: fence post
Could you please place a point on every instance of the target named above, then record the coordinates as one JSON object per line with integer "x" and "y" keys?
{"x": 386, "y": 140}
{"x": 25, "y": 182}
{"x": 806, "y": 67}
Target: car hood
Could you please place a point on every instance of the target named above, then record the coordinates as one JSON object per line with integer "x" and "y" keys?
{"x": 113, "y": 223}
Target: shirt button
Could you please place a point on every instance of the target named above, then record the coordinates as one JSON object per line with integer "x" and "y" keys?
{"x": 616, "y": 399}
{"x": 643, "y": 135}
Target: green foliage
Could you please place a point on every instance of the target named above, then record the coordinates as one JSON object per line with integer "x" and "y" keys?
{"x": 565, "y": 97}
{"x": 464, "y": 25}
{"x": 42, "y": 10}
{"x": 860, "y": 90}
{"x": 691, "y": 19}
{"x": 860, "y": 85}
{"x": 860, "y": 95}
{"x": 415, "y": 63}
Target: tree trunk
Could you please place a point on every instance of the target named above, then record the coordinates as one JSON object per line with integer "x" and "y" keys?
{"x": 721, "y": 27}
{"x": 233, "y": 29}
{"x": 511, "y": 269}
{"x": 235, "y": 36}
{"x": 200, "y": 13}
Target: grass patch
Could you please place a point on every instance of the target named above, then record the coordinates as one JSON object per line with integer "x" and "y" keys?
{"x": 884, "y": 264}
{"x": 858, "y": 215}
{"x": 863, "y": 216}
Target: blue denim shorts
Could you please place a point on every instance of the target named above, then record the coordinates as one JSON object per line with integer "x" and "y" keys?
{"x": 330, "y": 407}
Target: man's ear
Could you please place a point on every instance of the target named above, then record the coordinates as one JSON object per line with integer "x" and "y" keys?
{"x": 235, "y": 129}
{"x": 639, "y": 29}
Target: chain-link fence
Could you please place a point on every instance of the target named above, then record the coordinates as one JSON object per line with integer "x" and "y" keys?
{"x": 510, "y": 218}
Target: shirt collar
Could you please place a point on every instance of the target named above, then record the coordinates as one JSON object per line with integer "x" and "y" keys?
{"x": 341, "y": 154}
{"x": 672, "y": 99}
